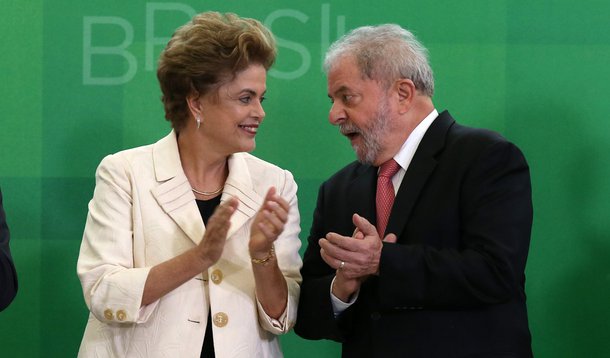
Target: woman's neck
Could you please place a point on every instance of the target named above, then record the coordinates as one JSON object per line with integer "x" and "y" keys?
{"x": 205, "y": 169}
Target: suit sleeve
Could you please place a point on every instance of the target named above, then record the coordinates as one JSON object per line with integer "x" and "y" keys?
{"x": 487, "y": 264}
{"x": 316, "y": 319}
{"x": 105, "y": 264}
{"x": 8, "y": 274}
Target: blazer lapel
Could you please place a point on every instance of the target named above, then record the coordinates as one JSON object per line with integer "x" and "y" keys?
{"x": 174, "y": 193}
{"x": 175, "y": 197}
{"x": 362, "y": 193}
{"x": 239, "y": 185}
{"x": 421, "y": 167}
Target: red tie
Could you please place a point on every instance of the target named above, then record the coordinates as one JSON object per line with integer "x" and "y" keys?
{"x": 385, "y": 194}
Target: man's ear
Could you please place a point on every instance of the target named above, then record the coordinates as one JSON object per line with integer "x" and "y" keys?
{"x": 406, "y": 93}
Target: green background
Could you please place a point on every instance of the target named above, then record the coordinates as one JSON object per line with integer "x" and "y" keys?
{"x": 536, "y": 71}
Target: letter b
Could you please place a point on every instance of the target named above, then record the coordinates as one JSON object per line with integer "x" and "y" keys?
{"x": 120, "y": 50}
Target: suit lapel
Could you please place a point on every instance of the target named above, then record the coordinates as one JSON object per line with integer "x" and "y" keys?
{"x": 361, "y": 196}
{"x": 421, "y": 167}
{"x": 174, "y": 193}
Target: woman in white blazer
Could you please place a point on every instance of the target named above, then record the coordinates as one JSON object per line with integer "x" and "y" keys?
{"x": 191, "y": 245}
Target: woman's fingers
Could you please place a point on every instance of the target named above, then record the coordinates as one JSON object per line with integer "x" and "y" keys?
{"x": 216, "y": 231}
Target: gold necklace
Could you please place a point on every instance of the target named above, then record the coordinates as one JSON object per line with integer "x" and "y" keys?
{"x": 208, "y": 193}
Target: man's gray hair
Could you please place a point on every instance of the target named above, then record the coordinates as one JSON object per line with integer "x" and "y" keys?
{"x": 385, "y": 53}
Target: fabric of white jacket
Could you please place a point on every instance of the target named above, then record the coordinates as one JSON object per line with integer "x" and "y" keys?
{"x": 143, "y": 213}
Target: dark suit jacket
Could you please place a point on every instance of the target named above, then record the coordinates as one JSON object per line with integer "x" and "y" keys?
{"x": 453, "y": 284}
{"x": 8, "y": 276}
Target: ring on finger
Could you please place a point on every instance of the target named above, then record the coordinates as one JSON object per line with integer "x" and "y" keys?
{"x": 341, "y": 265}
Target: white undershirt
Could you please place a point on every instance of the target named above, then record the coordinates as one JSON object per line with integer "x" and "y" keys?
{"x": 403, "y": 158}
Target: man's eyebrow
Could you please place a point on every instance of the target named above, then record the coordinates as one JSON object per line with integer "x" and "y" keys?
{"x": 339, "y": 90}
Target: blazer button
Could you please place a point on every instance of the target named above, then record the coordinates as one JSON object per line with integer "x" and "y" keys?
{"x": 216, "y": 276}
{"x": 375, "y": 316}
{"x": 220, "y": 319}
{"x": 108, "y": 314}
{"x": 121, "y": 315}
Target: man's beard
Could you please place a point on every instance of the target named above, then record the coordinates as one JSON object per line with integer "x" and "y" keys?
{"x": 371, "y": 137}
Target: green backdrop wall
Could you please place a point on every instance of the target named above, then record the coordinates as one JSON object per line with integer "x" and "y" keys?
{"x": 78, "y": 82}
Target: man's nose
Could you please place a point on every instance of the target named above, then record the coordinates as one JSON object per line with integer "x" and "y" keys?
{"x": 337, "y": 114}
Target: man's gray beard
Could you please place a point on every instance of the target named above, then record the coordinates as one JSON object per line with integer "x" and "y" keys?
{"x": 371, "y": 137}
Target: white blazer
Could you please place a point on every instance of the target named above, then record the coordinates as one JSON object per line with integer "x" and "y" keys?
{"x": 143, "y": 213}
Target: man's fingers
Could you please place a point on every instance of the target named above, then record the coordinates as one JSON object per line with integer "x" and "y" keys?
{"x": 391, "y": 238}
{"x": 328, "y": 259}
{"x": 331, "y": 261}
{"x": 335, "y": 243}
{"x": 364, "y": 226}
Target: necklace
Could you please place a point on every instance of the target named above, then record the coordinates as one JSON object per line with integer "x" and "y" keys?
{"x": 208, "y": 193}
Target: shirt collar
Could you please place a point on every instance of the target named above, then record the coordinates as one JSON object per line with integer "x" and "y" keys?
{"x": 407, "y": 151}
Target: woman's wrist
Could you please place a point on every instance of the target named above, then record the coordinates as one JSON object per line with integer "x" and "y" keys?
{"x": 200, "y": 262}
{"x": 263, "y": 258}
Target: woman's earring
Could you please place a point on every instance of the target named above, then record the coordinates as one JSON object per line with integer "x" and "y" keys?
{"x": 198, "y": 119}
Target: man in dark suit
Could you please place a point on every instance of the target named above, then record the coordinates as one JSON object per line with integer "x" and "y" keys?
{"x": 452, "y": 204}
{"x": 8, "y": 275}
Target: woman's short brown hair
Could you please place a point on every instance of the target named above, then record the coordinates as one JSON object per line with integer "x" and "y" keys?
{"x": 207, "y": 52}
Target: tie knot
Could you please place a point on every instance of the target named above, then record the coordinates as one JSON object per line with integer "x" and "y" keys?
{"x": 389, "y": 168}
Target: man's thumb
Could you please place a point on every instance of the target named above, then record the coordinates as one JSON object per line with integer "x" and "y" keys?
{"x": 391, "y": 238}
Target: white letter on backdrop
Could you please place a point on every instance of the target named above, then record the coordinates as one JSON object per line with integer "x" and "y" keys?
{"x": 302, "y": 50}
{"x": 89, "y": 50}
{"x": 151, "y": 40}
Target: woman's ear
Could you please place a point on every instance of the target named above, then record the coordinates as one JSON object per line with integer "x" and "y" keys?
{"x": 194, "y": 104}
{"x": 406, "y": 93}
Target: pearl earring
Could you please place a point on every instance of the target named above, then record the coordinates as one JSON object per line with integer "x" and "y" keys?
{"x": 198, "y": 119}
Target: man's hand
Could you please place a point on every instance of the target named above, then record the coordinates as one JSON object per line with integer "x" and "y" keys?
{"x": 355, "y": 258}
